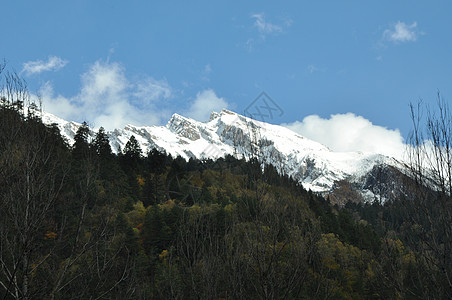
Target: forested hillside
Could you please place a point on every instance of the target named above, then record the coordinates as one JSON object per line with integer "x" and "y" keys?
{"x": 82, "y": 223}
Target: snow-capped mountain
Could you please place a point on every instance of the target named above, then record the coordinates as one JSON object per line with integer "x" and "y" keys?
{"x": 341, "y": 175}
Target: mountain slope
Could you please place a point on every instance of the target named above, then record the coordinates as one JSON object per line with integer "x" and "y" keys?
{"x": 314, "y": 165}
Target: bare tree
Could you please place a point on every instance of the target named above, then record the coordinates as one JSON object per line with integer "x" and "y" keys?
{"x": 46, "y": 233}
{"x": 200, "y": 248}
{"x": 32, "y": 174}
{"x": 269, "y": 256}
{"x": 429, "y": 205}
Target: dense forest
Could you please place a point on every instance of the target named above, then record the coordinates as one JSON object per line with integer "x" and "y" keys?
{"x": 79, "y": 222}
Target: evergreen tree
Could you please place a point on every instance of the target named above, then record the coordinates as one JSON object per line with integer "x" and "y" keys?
{"x": 157, "y": 161}
{"x": 131, "y": 165}
{"x": 132, "y": 150}
{"x": 101, "y": 144}
{"x": 148, "y": 196}
{"x": 81, "y": 145}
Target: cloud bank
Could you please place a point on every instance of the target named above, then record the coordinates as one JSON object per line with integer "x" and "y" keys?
{"x": 349, "y": 132}
{"x": 108, "y": 98}
{"x": 53, "y": 63}
{"x": 401, "y": 33}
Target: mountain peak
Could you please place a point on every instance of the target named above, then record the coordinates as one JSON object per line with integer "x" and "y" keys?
{"x": 214, "y": 115}
{"x": 176, "y": 117}
{"x": 184, "y": 126}
{"x": 225, "y": 111}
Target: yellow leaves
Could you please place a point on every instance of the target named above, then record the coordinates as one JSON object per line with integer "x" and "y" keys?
{"x": 139, "y": 207}
{"x": 140, "y": 180}
{"x": 343, "y": 259}
{"x": 136, "y": 216}
{"x": 227, "y": 183}
{"x": 168, "y": 205}
{"x": 196, "y": 179}
{"x": 101, "y": 192}
{"x": 195, "y": 210}
{"x": 163, "y": 255}
{"x": 50, "y": 235}
{"x": 331, "y": 245}
{"x": 409, "y": 258}
{"x": 394, "y": 245}
{"x": 416, "y": 228}
{"x": 266, "y": 229}
{"x": 198, "y": 210}
{"x": 231, "y": 209}
{"x": 330, "y": 263}
{"x": 213, "y": 191}
{"x": 369, "y": 271}
{"x": 363, "y": 222}
{"x": 398, "y": 245}
{"x": 396, "y": 248}
{"x": 33, "y": 269}
{"x": 211, "y": 174}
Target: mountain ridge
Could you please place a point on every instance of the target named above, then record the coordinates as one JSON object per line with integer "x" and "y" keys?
{"x": 314, "y": 165}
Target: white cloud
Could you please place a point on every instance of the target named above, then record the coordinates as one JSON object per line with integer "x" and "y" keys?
{"x": 108, "y": 98}
{"x": 313, "y": 69}
{"x": 206, "y": 72}
{"x": 249, "y": 44}
{"x": 208, "y": 69}
{"x": 265, "y": 27}
{"x": 349, "y": 132}
{"x": 205, "y": 103}
{"x": 150, "y": 90}
{"x": 103, "y": 83}
{"x": 401, "y": 33}
{"x": 57, "y": 104}
{"x": 53, "y": 63}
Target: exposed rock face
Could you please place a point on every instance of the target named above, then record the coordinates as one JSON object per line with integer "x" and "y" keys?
{"x": 184, "y": 127}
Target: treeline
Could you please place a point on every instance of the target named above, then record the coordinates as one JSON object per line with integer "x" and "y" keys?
{"x": 79, "y": 222}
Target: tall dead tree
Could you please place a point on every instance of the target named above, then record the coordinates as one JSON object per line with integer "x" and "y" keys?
{"x": 32, "y": 173}
{"x": 429, "y": 206}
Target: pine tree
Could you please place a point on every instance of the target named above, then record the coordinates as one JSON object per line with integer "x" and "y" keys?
{"x": 101, "y": 144}
{"x": 131, "y": 164}
{"x": 132, "y": 150}
{"x": 81, "y": 145}
{"x": 157, "y": 161}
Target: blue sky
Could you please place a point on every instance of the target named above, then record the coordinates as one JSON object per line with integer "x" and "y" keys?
{"x": 117, "y": 62}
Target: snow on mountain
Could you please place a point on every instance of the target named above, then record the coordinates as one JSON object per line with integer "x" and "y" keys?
{"x": 313, "y": 164}
{"x": 67, "y": 129}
